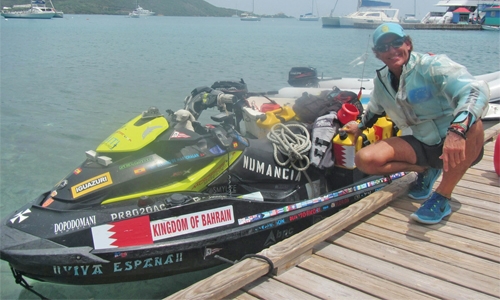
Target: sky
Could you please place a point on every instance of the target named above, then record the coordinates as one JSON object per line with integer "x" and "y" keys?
{"x": 296, "y": 8}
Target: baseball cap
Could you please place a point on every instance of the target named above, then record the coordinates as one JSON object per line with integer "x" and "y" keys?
{"x": 387, "y": 28}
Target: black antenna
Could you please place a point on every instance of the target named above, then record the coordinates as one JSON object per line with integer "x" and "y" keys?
{"x": 363, "y": 71}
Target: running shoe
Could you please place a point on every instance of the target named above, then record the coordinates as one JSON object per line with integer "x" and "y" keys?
{"x": 433, "y": 210}
{"x": 422, "y": 188}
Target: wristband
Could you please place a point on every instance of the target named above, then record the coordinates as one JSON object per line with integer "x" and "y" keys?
{"x": 463, "y": 120}
{"x": 457, "y": 132}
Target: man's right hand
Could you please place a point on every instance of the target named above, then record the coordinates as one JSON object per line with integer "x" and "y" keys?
{"x": 352, "y": 127}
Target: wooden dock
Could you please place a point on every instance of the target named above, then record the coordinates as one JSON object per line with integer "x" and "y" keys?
{"x": 372, "y": 249}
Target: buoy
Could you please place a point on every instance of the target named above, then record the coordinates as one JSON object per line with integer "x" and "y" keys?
{"x": 496, "y": 156}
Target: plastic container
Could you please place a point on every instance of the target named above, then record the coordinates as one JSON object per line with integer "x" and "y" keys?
{"x": 383, "y": 129}
{"x": 368, "y": 137}
{"x": 348, "y": 112}
{"x": 344, "y": 150}
{"x": 281, "y": 115}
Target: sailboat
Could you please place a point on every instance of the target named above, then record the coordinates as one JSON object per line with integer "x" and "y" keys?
{"x": 36, "y": 10}
{"x": 310, "y": 16}
{"x": 412, "y": 18}
{"x": 250, "y": 16}
{"x": 58, "y": 14}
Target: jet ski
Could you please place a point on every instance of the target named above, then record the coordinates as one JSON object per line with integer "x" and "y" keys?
{"x": 164, "y": 195}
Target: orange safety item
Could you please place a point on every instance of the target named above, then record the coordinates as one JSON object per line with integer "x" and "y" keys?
{"x": 269, "y": 107}
{"x": 348, "y": 112}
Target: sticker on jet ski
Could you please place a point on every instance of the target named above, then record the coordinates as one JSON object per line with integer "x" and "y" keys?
{"x": 141, "y": 231}
{"x": 92, "y": 184}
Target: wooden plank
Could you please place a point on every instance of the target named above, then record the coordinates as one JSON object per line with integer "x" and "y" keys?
{"x": 490, "y": 146}
{"x": 402, "y": 214}
{"x": 478, "y": 187}
{"x": 417, "y": 262}
{"x": 408, "y": 243}
{"x": 269, "y": 288}
{"x": 482, "y": 180}
{"x": 485, "y": 174}
{"x": 359, "y": 279}
{"x": 392, "y": 272}
{"x": 491, "y": 133}
{"x": 233, "y": 278}
{"x": 488, "y": 174}
{"x": 292, "y": 263}
{"x": 477, "y": 195}
{"x": 429, "y": 234}
{"x": 241, "y": 295}
{"x": 491, "y": 206}
{"x": 484, "y": 165}
{"x": 320, "y": 286}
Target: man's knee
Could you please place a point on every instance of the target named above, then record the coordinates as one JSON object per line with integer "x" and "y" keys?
{"x": 363, "y": 160}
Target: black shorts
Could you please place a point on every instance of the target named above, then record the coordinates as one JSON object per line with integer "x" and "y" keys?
{"x": 428, "y": 156}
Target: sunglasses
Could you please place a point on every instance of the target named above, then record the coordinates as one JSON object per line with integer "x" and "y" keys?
{"x": 394, "y": 44}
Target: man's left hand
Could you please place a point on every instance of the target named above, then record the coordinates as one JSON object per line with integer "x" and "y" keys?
{"x": 453, "y": 151}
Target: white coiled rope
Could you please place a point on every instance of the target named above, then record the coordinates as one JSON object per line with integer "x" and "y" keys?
{"x": 293, "y": 145}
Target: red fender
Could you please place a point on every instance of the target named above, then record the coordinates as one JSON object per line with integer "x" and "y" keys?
{"x": 496, "y": 155}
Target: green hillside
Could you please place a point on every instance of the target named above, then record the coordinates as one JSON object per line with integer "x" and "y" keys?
{"x": 123, "y": 7}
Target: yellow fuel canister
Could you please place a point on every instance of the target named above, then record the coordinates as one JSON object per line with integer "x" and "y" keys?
{"x": 383, "y": 129}
{"x": 280, "y": 115}
{"x": 344, "y": 150}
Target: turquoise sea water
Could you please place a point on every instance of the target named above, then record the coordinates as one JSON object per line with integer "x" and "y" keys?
{"x": 66, "y": 84}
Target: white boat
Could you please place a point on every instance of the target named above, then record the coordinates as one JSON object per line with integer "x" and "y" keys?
{"x": 368, "y": 12}
{"x": 249, "y": 16}
{"x": 410, "y": 19}
{"x": 35, "y": 10}
{"x": 490, "y": 27}
{"x": 366, "y": 86}
{"x": 370, "y": 16}
{"x": 140, "y": 12}
{"x": 58, "y": 14}
{"x": 476, "y": 8}
{"x": 309, "y": 16}
{"x": 331, "y": 21}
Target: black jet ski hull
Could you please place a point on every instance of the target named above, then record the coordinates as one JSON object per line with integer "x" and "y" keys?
{"x": 98, "y": 247}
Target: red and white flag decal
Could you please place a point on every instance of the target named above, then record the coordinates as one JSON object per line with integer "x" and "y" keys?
{"x": 132, "y": 232}
{"x": 140, "y": 231}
